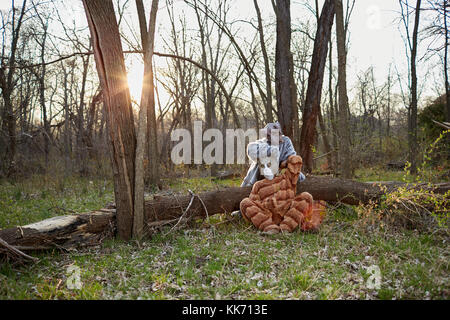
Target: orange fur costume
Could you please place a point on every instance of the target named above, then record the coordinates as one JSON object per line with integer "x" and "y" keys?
{"x": 273, "y": 205}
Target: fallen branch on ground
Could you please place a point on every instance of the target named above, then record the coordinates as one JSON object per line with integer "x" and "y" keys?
{"x": 14, "y": 253}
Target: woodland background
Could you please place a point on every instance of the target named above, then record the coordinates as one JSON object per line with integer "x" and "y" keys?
{"x": 92, "y": 90}
{"x": 51, "y": 108}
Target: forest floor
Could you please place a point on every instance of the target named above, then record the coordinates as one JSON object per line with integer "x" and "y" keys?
{"x": 222, "y": 258}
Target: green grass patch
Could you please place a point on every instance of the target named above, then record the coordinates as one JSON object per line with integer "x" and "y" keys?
{"x": 230, "y": 260}
{"x": 202, "y": 184}
{"x": 42, "y": 197}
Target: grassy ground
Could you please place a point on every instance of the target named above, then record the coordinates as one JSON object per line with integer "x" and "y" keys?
{"x": 221, "y": 258}
{"x": 41, "y": 197}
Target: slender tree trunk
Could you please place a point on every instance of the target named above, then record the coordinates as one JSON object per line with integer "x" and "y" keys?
{"x": 252, "y": 93}
{"x": 413, "y": 106}
{"x": 326, "y": 142}
{"x": 11, "y": 130}
{"x": 268, "y": 105}
{"x": 142, "y": 25}
{"x": 44, "y": 107}
{"x": 388, "y": 111}
{"x": 447, "y": 84}
{"x": 6, "y": 84}
{"x": 41, "y": 77}
{"x": 66, "y": 124}
{"x": 89, "y": 133}
{"x": 208, "y": 84}
{"x": 315, "y": 82}
{"x": 344, "y": 130}
{"x": 152, "y": 137}
{"x": 323, "y": 128}
{"x": 284, "y": 70}
{"x": 147, "y": 90}
{"x": 81, "y": 147}
{"x": 334, "y": 163}
{"x": 110, "y": 64}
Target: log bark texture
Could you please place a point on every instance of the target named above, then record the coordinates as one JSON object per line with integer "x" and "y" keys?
{"x": 311, "y": 109}
{"x": 321, "y": 188}
{"x": 111, "y": 71}
{"x": 284, "y": 70}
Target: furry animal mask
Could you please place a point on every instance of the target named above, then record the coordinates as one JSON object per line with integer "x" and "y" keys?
{"x": 265, "y": 156}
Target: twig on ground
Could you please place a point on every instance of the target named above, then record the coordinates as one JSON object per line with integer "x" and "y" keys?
{"x": 184, "y": 213}
{"x": 15, "y": 253}
{"x": 204, "y": 206}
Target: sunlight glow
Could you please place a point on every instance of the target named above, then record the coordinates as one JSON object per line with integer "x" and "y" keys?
{"x": 135, "y": 73}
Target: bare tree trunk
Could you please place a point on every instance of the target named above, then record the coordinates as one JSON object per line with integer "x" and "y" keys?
{"x": 344, "y": 130}
{"x": 447, "y": 84}
{"x": 81, "y": 146}
{"x": 326, "y": 142}
{"x": 315, "y": 82}
{"x": 255, "y": 111}
{"x": 334, "y": 163}
{"x": 96, "y": 99}
{"x": 284, "y": 69}
{"x": 142, "y": 25}
{"x": 413, "y": 107}
{"x": 388, "y": 111}
{"x": 323, "y": 129}
{"x": 147, "y": 90}
{"x": 268, "y": 104}
{"x": 153, "y": 153}
{"x": 119, "y": 116}
{"x": 6, "y": 84}
{"x": 41, "y": 77}
{"x": 66, "y": 122}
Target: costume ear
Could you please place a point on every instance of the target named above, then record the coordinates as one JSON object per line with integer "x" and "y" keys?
{"x": 275, "y": 152}
{"x": 252, "y": 151}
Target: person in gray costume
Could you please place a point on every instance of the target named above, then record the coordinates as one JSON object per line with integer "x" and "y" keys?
{"x": 286, "y": 149}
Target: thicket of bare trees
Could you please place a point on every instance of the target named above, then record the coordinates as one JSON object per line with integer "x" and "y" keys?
{"x": 64, "y": 98}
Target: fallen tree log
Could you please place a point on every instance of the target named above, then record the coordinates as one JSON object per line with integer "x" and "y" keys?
{"x": 89, "y": 228}
{"x": 322, "y": 188}
{"x": 62, "y": 232}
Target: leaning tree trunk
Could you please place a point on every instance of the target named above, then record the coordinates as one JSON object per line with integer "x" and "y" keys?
{"x": 315, "y": 82}
{"x": 116, "y": 96}
{"x": 343, "y": 125}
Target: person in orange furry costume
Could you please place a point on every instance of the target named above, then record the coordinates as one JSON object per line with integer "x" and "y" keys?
{"x": 274, "y": 207}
